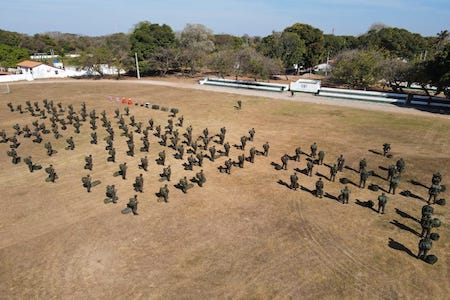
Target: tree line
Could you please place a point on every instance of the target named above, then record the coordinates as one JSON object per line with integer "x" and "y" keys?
{"x": 382, "y": 54}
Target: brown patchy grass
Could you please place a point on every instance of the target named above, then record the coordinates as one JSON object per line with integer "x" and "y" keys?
{"x": 241, "y": 236}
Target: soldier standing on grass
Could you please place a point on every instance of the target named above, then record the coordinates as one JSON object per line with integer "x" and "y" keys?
{"x": 201, "y": 178}
{"x": 123, "y": 170}
{"x": 333, "y": 172}
{"x": 284, "y": 161}
{"x": 89, "y": 164}
{"x": 298, "y": 152}
{"x": 382, "y": 200}
{"x": 133, "y": 204}
{"x": 294, "y": 181}
{"x": 362, "y": 165}
{"x": 309, "y": 167}
{"x": 321, "y": 157}
{"x": 266, "y": 148}
{"x": 252, "y": 154}
{"x": 319, "y": 188}
{"x": 87, "y": 182}
{"x": 313, "y": 150}
{"x": 363, "y": 178}
{"x": 345, "y": 194}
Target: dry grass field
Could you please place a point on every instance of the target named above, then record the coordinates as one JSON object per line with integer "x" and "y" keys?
{"x": 241, "y": 236}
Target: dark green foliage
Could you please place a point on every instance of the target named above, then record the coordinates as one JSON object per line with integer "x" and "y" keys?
{"x": 431, "y": 259}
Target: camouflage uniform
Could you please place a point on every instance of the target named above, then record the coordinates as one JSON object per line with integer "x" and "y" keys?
{"x": 252, "y": 154}
{"x": 425, "y": 245}
{"x": 313, "y": 150}
{"x": 363, "y": 178}
{"x": 212, "y": 152}
{"x": 139, "y": 184}
{"x": 386, "y": 149}
{"x": 123, "y": 170}
{"x": 362, "y": 165}
{"x": 71, "y": 144}
{"x": 345, "y": 194}
{"x": 298, "y": 152}
{"x": 321, "y": 157}
{"x": 266, "y": 148}
{"x": 228, "y": 165}
{"x": 309, "y": 167}
{"x": 88, "y": 160}
{"x": 333, "y": 172}
{"x": 51, "y": 173}
{"x": 284, "y": 161}
{"x": 94, "y": 138}
{"x": 251, "y": 133}
{"x": 227, "y": 147}
{"x": 241, "y": 159}
{"x": 164, "y": 193}
{"x": 427, "y": 223}
{"x": 243, "y": 142}
{"x": 144, "y": 163}
{"x": 382, "y": 200}
{"x": 133, "y": 204}
{"x": 87, "y": 182}
{"x": 319, "y": 188}
{"x": 201, "y": 179}
{"x": 393, "y": 184}
{"x": 391, "y": 172}
{"x": 433, "y": 192}
{"x": 294, "y": 182}
{"x": 199, "y": 157}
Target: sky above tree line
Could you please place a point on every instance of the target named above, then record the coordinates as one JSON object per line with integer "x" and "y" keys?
{"x": 236, "y": 17}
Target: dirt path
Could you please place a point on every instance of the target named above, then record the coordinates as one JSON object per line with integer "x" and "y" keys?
{"x": 302, "y": 97}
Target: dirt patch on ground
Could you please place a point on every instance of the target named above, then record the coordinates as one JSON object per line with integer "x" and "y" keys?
{"x": 244, "y": 235}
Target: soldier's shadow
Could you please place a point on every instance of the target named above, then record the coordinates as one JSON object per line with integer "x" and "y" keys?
{"x": 351, "y": 169}
{"x": 367, "y": 204}
{"x": 347, "y": 181}
{"x": 414, "y": 182}
{"x": 408, "y": 193}
{"x": 374, "y": 174}
{"x": 281, "y": 182}
{"x": 404, "y": 227}
{"x": 302, "y": 171}
{"x": 329, "y": 196}
{"x": 398, "y": 246}
{"x": 405, "y": 215}
{"x": 382, "y": 168}
{"x": 303, "y": 188}
{"x": 276, "y": 166}
{"x": 376, "y": 152}
{"x": 321, "y": 175}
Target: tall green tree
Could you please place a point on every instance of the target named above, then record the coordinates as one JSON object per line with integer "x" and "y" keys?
{"x": 10, "y": 56}
{"x": 313, "y": 40}
{"x": 146, "y": 39}
{"x": 357, "y": 68}
{"x": 196, "y": 42}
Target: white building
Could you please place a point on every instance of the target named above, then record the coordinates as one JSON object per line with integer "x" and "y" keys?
{"x": 40, "y": 70}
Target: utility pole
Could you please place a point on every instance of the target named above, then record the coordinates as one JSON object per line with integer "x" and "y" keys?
{"x": 137, "y": 66}
{"x": 326, "y": 67}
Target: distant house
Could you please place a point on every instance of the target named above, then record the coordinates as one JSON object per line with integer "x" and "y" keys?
{"x": 39, "y": 70}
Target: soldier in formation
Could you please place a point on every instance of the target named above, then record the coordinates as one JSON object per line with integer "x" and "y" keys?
{"x": 319, "y": 188}
{"x": 139, "y": 184}
{"x": 382, "y": 200}
{"x": 167, "y": 172}
{"x": 426, "y": 222}
{"x": 70, "y": 144}
{"x": 94, "y": 138}
{"x": 123, "y": 170}
{"x": 164, "y": 193}
{"x": 321, "y": 157}
{"x": 200, "y": 157}
{"x": 251, "y": 133}
{"x": 425, "y": 245}
{"x": 393, "y": 184}
{"x": 400, "y": 165}
{"x": 345, "y": 194}
{"x": 252, "y": 154}
{"x": 333, "y": 172}
{"x": 363, "y": 178}
{"x": 313, "y": 149}
{"x": 212, "y": 152}
{"x": 437, "y": 178}
{"x": 243, "y": 142}
{"x": 266, "y": 147}
{"x": 228, "y": 165}
{"x": 50, "y": 170}
{"x": 112, "y": 155}
{"x": 87, "y": 182}
{"x": 241, "y": 160}
{"x": 309, "y": 167}
{"x": 144, "y": 163}
{"x": 298, "y": 153}
{"x": 386, "y": 149}
{"x": 391, "y": 172}
{"x": 433, "y": 192}
{"x": 201, "y": 178}
{"x": 184, "y": 185}
{"x": 132, "y": 205}
{"x": 89, "y": 164}
{"x": 294, "y": 182}
{"x": 111, "y": 194}
{"x": 226, "y": 148}
{"x": 362, "y": 165}
{"x": 284, "y": 161}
